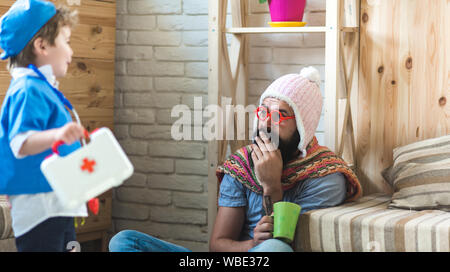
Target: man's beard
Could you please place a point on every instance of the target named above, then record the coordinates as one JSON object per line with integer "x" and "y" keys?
{"x": 288, "y": 148}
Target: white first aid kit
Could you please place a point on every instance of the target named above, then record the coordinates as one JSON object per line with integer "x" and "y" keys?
{"x": 89, "y": 171}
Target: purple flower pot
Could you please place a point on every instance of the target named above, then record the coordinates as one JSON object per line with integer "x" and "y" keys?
{"x": 287, "y": 10}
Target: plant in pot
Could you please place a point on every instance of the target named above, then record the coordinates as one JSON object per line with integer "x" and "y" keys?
{"x": 286, "y": 12}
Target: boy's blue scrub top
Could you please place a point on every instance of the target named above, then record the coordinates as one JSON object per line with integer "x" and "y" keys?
{"x": 30, "y": 104}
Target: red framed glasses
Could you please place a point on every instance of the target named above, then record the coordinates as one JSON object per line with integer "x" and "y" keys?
{"x": 262, "y": 114}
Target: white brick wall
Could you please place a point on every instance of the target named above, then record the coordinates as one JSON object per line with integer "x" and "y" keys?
{"x": 162, "y": 61}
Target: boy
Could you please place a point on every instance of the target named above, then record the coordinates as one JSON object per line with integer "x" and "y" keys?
{"x": 35, "y": 37}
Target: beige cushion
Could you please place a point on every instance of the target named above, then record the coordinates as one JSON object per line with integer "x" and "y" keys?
{"x": 8, "y": 245}
{"x": 367, "y": 224}
{"x": 5, "y": 219}
{"x": 420, "y": 175}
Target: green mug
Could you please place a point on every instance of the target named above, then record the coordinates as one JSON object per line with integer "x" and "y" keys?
{"x": 285, "y": 217}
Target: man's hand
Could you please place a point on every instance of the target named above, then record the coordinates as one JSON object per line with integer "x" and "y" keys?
{"x": 263, "y": 230}
{"x": 268, "y": 164}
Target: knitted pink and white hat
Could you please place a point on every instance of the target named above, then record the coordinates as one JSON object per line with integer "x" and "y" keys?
{"x": 302, "y": 93}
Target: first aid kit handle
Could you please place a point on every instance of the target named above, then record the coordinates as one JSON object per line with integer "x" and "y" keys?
{"x": 59, "y": 143}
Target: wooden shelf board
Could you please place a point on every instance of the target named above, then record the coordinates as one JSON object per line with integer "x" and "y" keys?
{"x": 263, "y": 30}
{"x": 266, "y": 30}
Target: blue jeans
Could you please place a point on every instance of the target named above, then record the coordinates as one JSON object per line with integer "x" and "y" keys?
{"x": 272, "y": 245}
{"x": 134, "y": 241}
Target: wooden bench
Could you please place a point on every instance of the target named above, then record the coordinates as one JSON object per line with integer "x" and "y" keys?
{"x": 369, "y": 225}
{"x": 6, "y": 233}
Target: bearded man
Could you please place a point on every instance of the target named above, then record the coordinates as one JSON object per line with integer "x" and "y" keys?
{"x": 285, "y": 163}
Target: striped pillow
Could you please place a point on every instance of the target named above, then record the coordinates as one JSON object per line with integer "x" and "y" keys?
{"x": 420, "y": 175}
{"x": 5, "y": 219}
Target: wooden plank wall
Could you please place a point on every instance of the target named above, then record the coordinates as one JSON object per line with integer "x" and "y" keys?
{"x": 89, "y": 83}
{"x": 404, "y": 80}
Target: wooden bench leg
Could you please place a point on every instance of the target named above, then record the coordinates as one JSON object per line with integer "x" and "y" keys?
{"x": 105, "y": 242}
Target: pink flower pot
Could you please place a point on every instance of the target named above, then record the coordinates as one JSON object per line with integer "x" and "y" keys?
{"x": 287, "y": 10}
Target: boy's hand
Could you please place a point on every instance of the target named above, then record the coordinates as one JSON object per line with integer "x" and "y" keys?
{"x": 70, "y": 133}
{"x": 44, "y": 140}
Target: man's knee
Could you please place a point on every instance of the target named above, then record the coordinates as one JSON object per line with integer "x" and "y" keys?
{"x": 121, "y": 239}
{"x": 272, "y": 245}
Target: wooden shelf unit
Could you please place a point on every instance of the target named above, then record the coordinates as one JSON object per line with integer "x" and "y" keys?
{"x": 228, "y": 74}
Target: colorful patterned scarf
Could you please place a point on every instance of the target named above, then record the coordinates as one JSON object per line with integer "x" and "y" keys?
{"x": 319, "y": 162}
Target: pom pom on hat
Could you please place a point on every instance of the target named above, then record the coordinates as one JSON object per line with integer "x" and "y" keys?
{"x": 311, "y": 73}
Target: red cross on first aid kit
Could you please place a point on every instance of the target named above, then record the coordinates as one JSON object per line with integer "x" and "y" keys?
{"x": 89, "y": 171}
